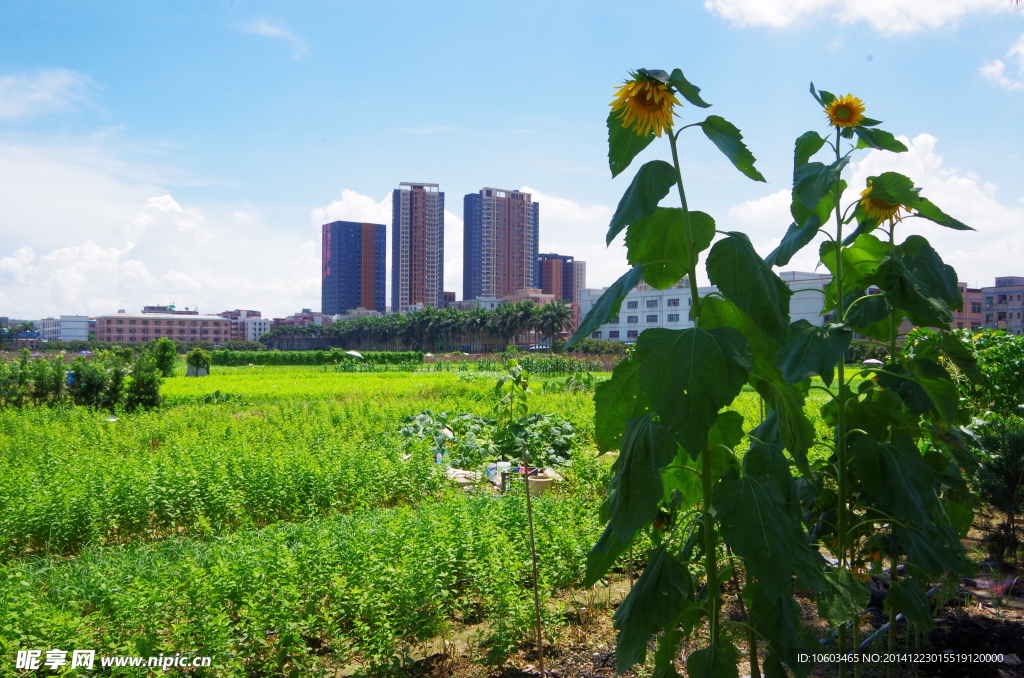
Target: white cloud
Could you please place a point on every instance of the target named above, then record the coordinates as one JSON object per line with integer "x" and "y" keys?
{"x": 80, "y": 233}
{"x": 996, "y": 248}
{"x": 270, "y": 30}
{"x": 996, "y": 70}
{"x": 48, "y": 91}
{"x": 885, "y": 16}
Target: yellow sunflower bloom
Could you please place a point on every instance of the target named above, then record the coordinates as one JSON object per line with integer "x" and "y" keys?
{"x": 645, "y": 105}
{"x": 879, "y": 210}
{"x": 845, "y": 111}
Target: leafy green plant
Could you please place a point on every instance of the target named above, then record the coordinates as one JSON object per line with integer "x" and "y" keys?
{"x": 1001, "y": 480}
{"x": 164, "y": 353}
{"x": 198, "y": 359}
{"x": 677, "y": 480}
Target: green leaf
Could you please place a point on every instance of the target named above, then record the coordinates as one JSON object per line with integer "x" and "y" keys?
{"x": 962, "y": 357}
{"x": 822, "y": 97}
{"x": 897, "y": 478}
{"x": 937, "y": 384}
{"x": 849, "y": 598}
{"x": 813, "y": 350}
{"x": 649, "y": 186}
{"x": 897, "y": 189}
{"x": 659, "y": 243}
{"x": 925, "y": 264}
{"x": 812, "y": 181}
{"x": 795, "y": 239}
{"x": 718, "y": 312}
{"x": 623, "y": 143}
{"x": 923, "y": 305}
{"x": 657, "y": 599}
{"x": 607, "y": 307}
{"x": 777, "y": 619}
{"x": 727, "y": 137}
{"x": 602, "y": 556}
{"x": 755, "y": 523}
{"x": 688, "y": 375}
{"x": 714, "y": 661}
{"x": 876, "y": 138}
{"x": 795, "y": 429}
{"x": 861, "y": 260}
{"x": 728, "y": 430}
{"x": 636, "y": 485}
{"x": 907, "y": 598}
{"x": 615, "y": 402}
{"x": 870, "y": 122}
{"x": 935, "y": 549}
{"x": 689, "y": 91}
{"x": 665, "y": 654}
{"x": 871, "y": 316}
{"x": 807, "y": 144}
{"x": 961, "y": 516}
{"x": 745, "y": 279}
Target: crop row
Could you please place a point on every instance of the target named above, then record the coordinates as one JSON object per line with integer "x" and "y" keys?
{"x": 237, "y": 358}
{"x": 359, "y": 587}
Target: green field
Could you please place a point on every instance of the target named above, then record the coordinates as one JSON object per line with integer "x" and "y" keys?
{"x": 265, "y": 511}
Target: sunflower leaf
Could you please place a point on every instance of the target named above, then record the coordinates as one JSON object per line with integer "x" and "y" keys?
{"x": 607, "y": 307}
{"x": 869, "y": 122}
{"x": 813, "y": 181}
{"x": 659, "y": 243}
{"x": 897, "y": 189}
{"x": 727, "y": 137}
{"x": 878, "y": 138}
{"x": 743, "y": 277}
{"x": 813, "y": 350}
{"x": 624, "y": 143}
{"x": 822, "y": 97}
{"x": 649, "y": 186}
{"x": 689, "y": 91}
{"x": 807, "y": 144}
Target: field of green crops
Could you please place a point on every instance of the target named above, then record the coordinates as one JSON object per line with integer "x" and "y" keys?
{"x": 267, "y": 512}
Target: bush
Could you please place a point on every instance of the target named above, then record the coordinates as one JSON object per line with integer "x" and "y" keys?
{"x": 592, "y": 347}
{"x": 333, "y": 357}
{"x": 240, "y": 345}
{"x": 164, "y": 353}
{"x": 1001, "y": 479}
{"x": 862, "y": 349}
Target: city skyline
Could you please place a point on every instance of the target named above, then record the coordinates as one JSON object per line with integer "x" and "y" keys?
{"x": 127, "y": 177}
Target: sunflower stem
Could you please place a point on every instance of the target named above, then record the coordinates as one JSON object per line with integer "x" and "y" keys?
{"x": 710, "y": 540}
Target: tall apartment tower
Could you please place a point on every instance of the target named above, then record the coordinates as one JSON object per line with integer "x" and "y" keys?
{"x": 353, "y": 274}
{"x": 500, "y": 243}
{"x": 417, "y": 246}
{"x": 562, "y": 276}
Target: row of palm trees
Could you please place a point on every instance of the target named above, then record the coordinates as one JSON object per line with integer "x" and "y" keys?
{"x": 441, "y": 329}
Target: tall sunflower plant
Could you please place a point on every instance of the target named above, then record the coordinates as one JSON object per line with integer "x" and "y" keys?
{"x": 769, "y": 519}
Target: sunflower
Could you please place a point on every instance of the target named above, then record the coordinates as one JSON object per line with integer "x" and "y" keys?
{"x": 845, "y": 111}
{"x": 645, "y": 105}
{"x": 880, "y": 210}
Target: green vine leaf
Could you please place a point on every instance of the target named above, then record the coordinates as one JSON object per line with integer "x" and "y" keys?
{"x": 897, "y": 189}
{"x": 607, "y": 307}
{"x": 896, "y": 477}
{"x": 647, "y": 448}
{"x": 615, "y": 402}
{"x": 689, "y": 375}
{"x": 652, "y": 183}
{"x": 877, "y": 138}
{"x": 745, "y": 279}
{"x": 729, "y": 141}
{"x": 659, "y": 243}
{"x": 623, "y": 144}
{"x": 813, "y": 350}
{"x": 657, "y": 599}
{"x": 689, "y": 91}
{"x": 714, "y": 661}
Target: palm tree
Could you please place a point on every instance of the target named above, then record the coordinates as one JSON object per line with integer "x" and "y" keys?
{"x": 554, "y": 318}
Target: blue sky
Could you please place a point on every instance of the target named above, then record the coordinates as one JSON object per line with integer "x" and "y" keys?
{"x": 189, "y": 151}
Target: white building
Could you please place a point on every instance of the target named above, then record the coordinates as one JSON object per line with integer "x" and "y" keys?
{"x": 646, "y": 307}
{"x": 256, "y": 327}
{"x": 64, "y": 328}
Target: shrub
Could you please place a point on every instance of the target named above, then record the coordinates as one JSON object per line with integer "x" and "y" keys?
{"x": 164, "y": 353}
{"x": 1001, "y": 479}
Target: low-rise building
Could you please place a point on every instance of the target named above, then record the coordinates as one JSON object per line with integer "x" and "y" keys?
{"x": 529, "y": 294}
{"x": 246, "y": 323}
{"x": 64, "y": 328}
{"x": 124, "y": 327}
{"x": 645, "y": 307}
{"x": 971, "y": 317}
{"x": 1003, "y": 305}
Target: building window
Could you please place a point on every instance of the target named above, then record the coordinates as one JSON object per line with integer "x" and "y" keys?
{"x": 673, "y": 317}
{"x": 988, "y": 302}
{"x": 975, "y": 307}
{"x": 156, "y": 322}
{"x": 631, "y": 334}
{"x": 975, "y": 326}
{"x": 652, "y": 303}
{"x": 652, "y": 318}
{"x": 1001, "y": 315}
{"x": 988, "y": 317}
{"x": 120, "y": 322}
{"x": 631, "y": 304}
{"x": 673, "y": 302}
{"x": 959, "y": 326}
{"x": 614, "y": 321}
{"x": 632, "y": 319}
{"x": 614, "y": 334}
{"x": 596, "y": 335}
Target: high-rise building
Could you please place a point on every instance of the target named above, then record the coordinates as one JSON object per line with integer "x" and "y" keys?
{"x": 353, "y": 274}
{"x": 500, "y": 243}
{"x": 417, "y": 246}
{"x": 562, "y": 276}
